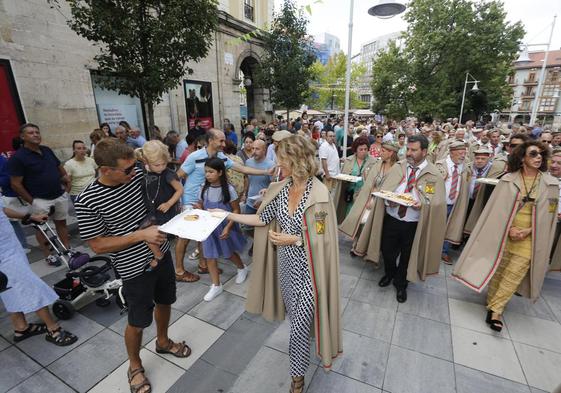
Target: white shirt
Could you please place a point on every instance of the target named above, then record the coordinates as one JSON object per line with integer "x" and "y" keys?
{"x": 319, "y": 124}
{"x": 329, "y": 153}
{"x": 388, "y": 137}
{"x": 411, "y": 215}
{"x": 271, "y": 155}
{"x": 450, "y": 167}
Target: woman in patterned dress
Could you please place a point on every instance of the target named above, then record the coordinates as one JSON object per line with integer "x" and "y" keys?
{"x": 302, "y": 275}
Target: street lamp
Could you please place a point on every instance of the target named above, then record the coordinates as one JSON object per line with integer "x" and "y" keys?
{"x": 385, "y": 9}
{"x": 474, "y": 88}
{"x": 525, "y": 58}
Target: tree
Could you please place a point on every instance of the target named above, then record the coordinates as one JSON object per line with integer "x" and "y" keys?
{"x": 145, "y": 45}
{"x": 329, "y": 91}
{"x": 289, "y": 53}
{"x": 444, "y": 40}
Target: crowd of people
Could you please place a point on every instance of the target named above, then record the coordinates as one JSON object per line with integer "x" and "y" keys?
{"x": 489, "y": 191}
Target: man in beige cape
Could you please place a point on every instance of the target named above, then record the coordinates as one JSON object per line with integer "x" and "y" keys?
{"x": 414, "y": 234}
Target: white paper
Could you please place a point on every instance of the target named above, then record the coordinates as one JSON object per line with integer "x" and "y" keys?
{"x": 198, "y": 230}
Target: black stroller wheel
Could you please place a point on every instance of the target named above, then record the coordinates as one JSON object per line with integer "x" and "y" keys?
{"x": 63, "y": 309}
{"x": 102, "y": 302}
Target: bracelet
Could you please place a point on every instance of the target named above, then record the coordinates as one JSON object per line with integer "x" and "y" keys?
{"x": 159, "y": 258}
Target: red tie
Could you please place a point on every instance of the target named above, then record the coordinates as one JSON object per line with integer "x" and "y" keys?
{"x": 411, "y": 180}
{"x": 454, "y": 185}
{"x": 477, "y": 184}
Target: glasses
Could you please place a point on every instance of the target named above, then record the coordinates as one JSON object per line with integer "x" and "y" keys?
{"x": 378, "y": 136}
{"x": 126, "y": 171}
{"x": 535, "y": 153}
{"x": 199, "y": 147}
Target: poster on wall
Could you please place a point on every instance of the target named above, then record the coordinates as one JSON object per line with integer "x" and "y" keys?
{"x": 198, "y": 102}
{"x": 113, "y": 114}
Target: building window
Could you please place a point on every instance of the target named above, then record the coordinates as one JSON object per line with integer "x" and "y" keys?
{"x": 525, "y": 105}
{"x": 365, "y": 97}
{"x": 249, "y": 9}
{"x": 532, "y": 77}
{"x": 547, "y": 105}
{"x": 529, "y": 91}
{"x": 548, "y": 90}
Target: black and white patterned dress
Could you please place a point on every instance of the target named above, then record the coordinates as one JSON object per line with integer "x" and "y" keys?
{"x": 294, "y": 276}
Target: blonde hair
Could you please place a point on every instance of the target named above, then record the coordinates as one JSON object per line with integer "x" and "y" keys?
{"x": 153, "y": 151}
{"x": 299, "y": 153}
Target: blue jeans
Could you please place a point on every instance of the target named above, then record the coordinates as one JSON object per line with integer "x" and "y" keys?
{"x": 446, "y": 245}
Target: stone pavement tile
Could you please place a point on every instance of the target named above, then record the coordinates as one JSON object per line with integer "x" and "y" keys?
{"x": 369, "y": 320}
{"x": 493, "y": 355}
{"x": 237, "y": 346}
{"x": 92, "y": 361}
{"x": 15, "y": 368}
{"x": 469, "y": 380}
{"x": 267, "y": 372}
{"x": 279, "y": 340}
{"x": 223, "y": 311}
{"x": 55, "y": 276}
{"x": 534, "y": 390}
{"x": 149, "y": 333}
{"x": 457, "y": 290}
{"x": 541, "y": 367}
{"x": 45, "y": 352}
{"x": 41, "y": 268}
{"x": 423, "y": 335}
{"x": 197, "y": 334}
{"x": 189, "y": 294}
{"x": 43, "y": 381}
{"x": 413, "y": 372}
{"x": 426, "y": 305}
{"x": 472, "y": 316}
{"x": 435, "y": 285}
{"x": 259, "y": 319}
{"x": 237, "y": 289}
{"x": 522, "y": 305}
{"x": 372, "y": 272}
{"x": 105, "y": 316}
{"x": 229, "y": 270}
{"x": 348, "y": 284}
{"x": 203, "y": 377}
{"x": 4, "y": 344}
{"x": 369, "y": 292}
{"x": 554, "y": 302}
{"x": 351, "y": 266}
{"x": 161, "y": 373}
{"x": 324, "y": 382}
{"x": 364, "y": 359}
{"x": 534, "y": 331}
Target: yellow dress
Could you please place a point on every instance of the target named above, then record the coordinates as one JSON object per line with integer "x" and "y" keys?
{"x": 517, "y": 256}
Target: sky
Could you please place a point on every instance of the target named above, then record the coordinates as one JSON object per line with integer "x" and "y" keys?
{"x": 332, "y": 16}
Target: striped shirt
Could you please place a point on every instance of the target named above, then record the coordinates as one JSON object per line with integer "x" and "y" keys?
{"x": 116, "y": 211}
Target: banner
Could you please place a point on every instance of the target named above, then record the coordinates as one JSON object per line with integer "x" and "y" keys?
{"x": 198, "y": 102}
{"x": 113, "y": 114}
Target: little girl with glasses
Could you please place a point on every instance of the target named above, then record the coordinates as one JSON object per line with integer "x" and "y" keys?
{"x": 162, "y": 190}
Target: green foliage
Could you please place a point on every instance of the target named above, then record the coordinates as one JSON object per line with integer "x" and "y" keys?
{"x": 329, "y": 91}
{"x": 145, "y": 43}
{"x": 289, "y": 53}
{"x": 444, "y": 40}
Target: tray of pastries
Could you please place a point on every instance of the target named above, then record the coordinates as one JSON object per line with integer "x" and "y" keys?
{"x": 486, "y": 180}
{"x": 349, "y": 178}
{"x": 402, "y": 199}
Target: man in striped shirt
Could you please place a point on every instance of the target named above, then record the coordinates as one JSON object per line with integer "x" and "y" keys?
{"x": 110, "y": 211}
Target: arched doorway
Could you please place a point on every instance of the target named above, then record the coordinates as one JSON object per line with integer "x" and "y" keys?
{"x": 248, "y": 69}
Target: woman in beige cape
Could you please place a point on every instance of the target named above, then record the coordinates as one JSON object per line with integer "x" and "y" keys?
{"x": 302, "y": 275}
{"x": 510, "y": 245}
{"x": 357, "y": 164}
{"x": 364, "y": 201}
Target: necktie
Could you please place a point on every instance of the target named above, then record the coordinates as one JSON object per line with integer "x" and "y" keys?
{"x": 411, "y": 180}
{"x": 454, "y": 184}
{"x": 477, "y": 185}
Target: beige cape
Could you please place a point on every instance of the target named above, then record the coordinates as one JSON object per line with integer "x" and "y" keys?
{"x": 484, "y": 249}
{"x": 264, "y": 296}
{"x": 429, "y": 237}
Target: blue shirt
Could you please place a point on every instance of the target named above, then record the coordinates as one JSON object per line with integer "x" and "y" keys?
{"x": 194, "y": 167}
{"x": 40, "y": 172}
{"x": 258, "y": 182}
{"x": 232, "y": 137}
{"x": 5, "y": 178}
{"x": 136, "y": 142}
{"x": 180, "y": 148}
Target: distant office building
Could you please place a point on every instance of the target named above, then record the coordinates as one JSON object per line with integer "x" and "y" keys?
{"x": 326, "y": 46}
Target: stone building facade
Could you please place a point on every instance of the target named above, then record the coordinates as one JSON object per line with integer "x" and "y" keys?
{"x": 51, "y": 77}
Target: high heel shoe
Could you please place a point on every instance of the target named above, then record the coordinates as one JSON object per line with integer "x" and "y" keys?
{"x": 297, "y": 385}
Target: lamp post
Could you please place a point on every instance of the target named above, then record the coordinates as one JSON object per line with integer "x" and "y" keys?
{"x": 474, "y": 88}
{"x": 525, "y": 58}
{"x": 385, "y": 9}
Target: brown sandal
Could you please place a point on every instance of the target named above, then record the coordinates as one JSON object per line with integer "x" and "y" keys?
{"x": 183, "y": 350}
{"x": 297, "y": 385}
{"x": 186, "y": 277}
{"x": 138, "y": 387}
{"x": 204, "y": 270}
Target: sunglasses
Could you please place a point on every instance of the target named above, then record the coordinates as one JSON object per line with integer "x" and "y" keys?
{"x": 199, "y": 147}
{"x": 126, "y": 171}
{"x": 535, "y": 153}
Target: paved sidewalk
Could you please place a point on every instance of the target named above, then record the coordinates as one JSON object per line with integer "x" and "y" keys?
{"x": 435, "y": 342}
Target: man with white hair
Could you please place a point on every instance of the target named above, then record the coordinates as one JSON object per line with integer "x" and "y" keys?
{"x": 135, "y": 139}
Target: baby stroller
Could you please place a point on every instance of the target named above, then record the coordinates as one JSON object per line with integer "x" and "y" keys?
{"x": 82, "y": 283}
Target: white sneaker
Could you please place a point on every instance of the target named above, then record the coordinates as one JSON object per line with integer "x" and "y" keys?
{"x": 214, "y": 291}
{"x": 242, "y": 275}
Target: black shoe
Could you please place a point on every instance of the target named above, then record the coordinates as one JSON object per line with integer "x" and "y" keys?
{"x": 385, "y": 281}
{"x": 401, "y": 295}
{"x": 488, "y": 317}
